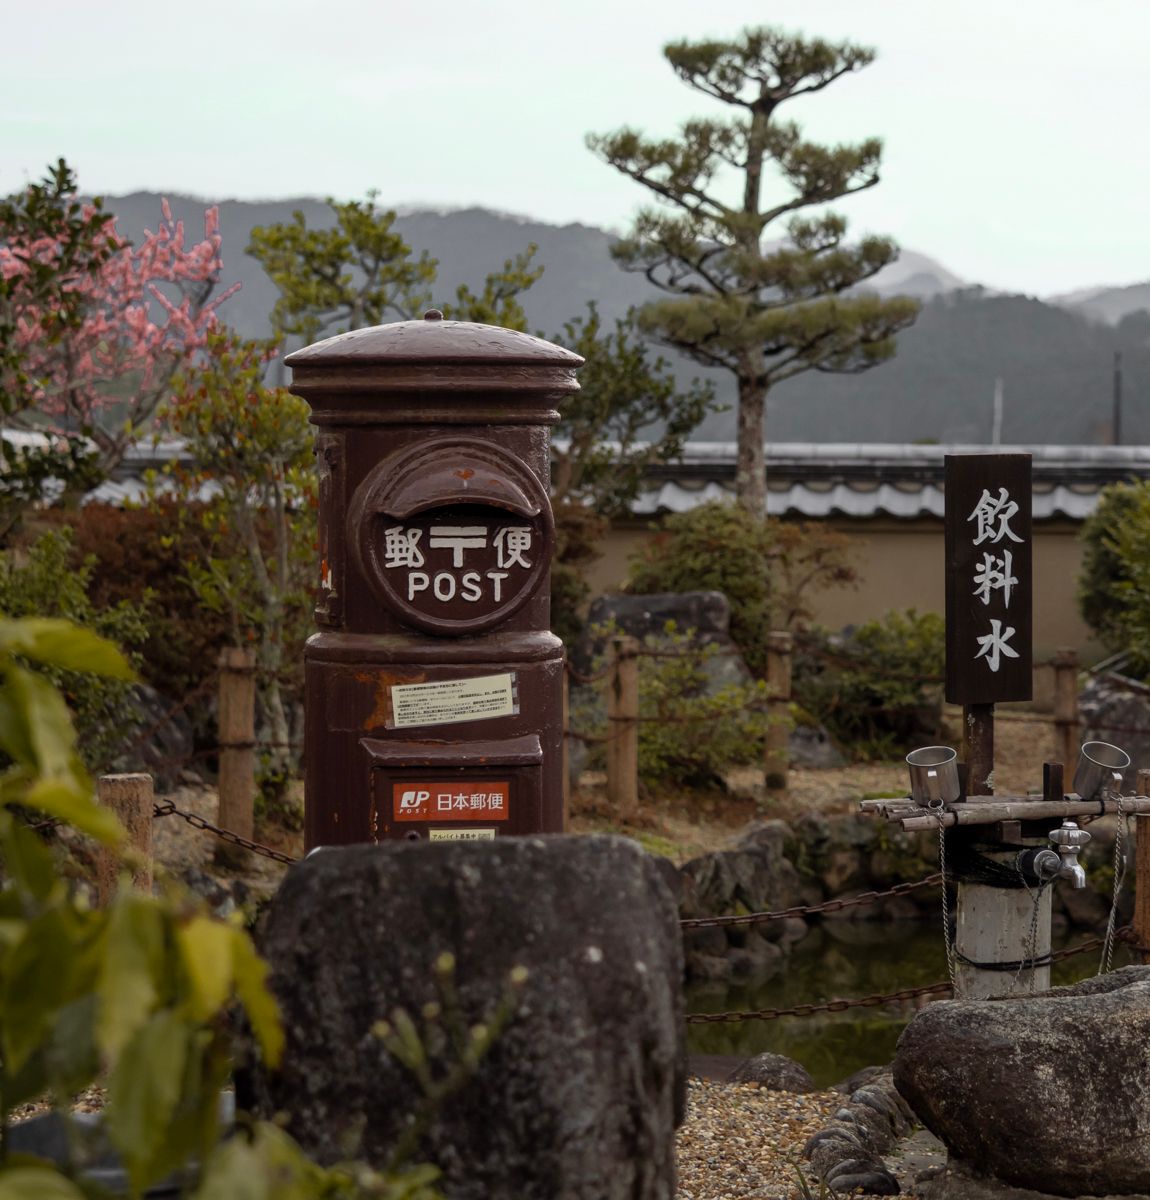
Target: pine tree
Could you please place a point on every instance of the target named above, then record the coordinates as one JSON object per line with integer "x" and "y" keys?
{"x": 764, "y": 310}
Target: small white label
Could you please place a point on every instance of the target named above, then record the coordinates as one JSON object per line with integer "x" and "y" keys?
{"x": 452, "y": 700}
{"x": 461, "y": 835}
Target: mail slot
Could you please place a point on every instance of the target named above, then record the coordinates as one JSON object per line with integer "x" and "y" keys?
{"x": 433, "y": 684}
{"x": 453, "y": 792}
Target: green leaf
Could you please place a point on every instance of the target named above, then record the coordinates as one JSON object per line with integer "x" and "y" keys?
{"x": 37, "y": 980}
{"x": 133, "y": 963}
{"x": 234, "y": 1172}
{"x": 72, "y": 1057}
{"x": 37, "y": 1183}
{"x": 251, "y": 983}
{"x": 69, "y": 797}
{"x": 58, "y": 643}
{"x": 48, "y": 721}
{"x": 144, "y": 1090}
{"x": 29, "y": 862}
{"x": 206, "y": 951}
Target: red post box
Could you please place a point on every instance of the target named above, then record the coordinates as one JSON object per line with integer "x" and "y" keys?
{"x": 433, "y": 686}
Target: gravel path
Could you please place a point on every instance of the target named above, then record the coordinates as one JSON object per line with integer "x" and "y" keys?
{"x": 742, "y": 1142}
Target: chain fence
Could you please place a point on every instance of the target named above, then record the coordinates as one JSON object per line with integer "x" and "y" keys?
{"x": 879, "y": 999}
{"x": 167, "y": 808}
{"x": 808, "y": 910}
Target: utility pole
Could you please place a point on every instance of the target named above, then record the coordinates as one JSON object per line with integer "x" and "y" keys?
{"x": 1117, "y": 432}
{"x": 996, "y": 425}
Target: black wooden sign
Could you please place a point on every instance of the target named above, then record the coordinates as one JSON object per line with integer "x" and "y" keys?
{"x": 988, "y": 578}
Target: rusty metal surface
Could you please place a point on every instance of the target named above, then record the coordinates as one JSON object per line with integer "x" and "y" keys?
{"x": 436, "y": 537}
{"x": 435, "y": 342}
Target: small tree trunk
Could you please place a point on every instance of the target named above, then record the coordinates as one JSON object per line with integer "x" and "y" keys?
{"x": 278, "y": 732}
{"x": 751, "y": 458}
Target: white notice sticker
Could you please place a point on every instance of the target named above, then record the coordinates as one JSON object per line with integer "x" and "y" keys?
{"x": 461, "y": 835}
{"x": 452, "y": 700}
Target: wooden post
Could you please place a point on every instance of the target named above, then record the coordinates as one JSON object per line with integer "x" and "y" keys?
{"x": 1065, "y": 665}
{"x": 622, "y": 727}
{"x": 237, "y": 729}
{"x": 777, "y": 760}
{"x": 978, "y": 748}
{"x": 993, "y": 926}
{"x": 1142, "y": 874}
{"x": 130, "y": 797}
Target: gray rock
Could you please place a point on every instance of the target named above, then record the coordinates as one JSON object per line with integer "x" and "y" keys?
{"x": 706, "y": 615}
{"x": 1048, "y": 1092}
{"x": 1113, "y": 708}
{"x": 813, "y": 747}
{"x": 775, "y": 1072}
{"x": 169, "y": 740}
{"x": 847, "y": 1153}
{"x": 860, "y": 1078}
{"x": 959, "y": 1181}
{"x": 709, "y": 968}
{"x": 755, "y": 874}
{"x": 579, "y": 1095}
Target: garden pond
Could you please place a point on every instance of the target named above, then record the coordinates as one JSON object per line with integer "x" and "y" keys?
{"x": 843, "y": 960}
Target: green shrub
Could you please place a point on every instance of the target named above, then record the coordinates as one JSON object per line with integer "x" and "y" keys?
{"x": 690, "y": 730}
{"x": 1114, "y": 580}
{"x": 138, "y": 994}
{"x": 138, "y": 552}
{"x": 878, "y": 691}
{"x": 766, "y": 569}
{"x": 49, "y": 582}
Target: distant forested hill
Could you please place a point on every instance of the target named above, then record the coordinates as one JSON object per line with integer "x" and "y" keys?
{"x": 1055, "y": 361}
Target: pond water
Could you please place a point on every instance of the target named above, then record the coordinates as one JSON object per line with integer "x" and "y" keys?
{"x": 843, "y": 959}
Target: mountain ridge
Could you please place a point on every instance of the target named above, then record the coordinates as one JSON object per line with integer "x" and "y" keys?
{"x": 1055, "y": 359}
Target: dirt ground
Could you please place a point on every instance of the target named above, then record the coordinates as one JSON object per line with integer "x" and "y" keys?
{"x": 682, "y": 825}
{"x": 677, "y": 824}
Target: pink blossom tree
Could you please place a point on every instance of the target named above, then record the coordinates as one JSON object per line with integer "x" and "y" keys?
{"x": 94, "y": 327}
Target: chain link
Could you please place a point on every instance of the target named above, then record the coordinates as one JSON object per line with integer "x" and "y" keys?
{"x": 947, "y": 940}
{"x": 1125, "y": 934}
{"x": 166, "y": 808}
{"x": 1119, "y": 879}
{"x": 810, "y": 1010}
{"x": 801, "y": 910}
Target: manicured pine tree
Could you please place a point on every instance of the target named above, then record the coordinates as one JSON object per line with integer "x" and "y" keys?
{"x": 764, "y": 310}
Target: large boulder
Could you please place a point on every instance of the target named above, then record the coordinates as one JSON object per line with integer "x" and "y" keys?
{"x": 579, "y": 1095}
{"x": 1048, "y": 1092}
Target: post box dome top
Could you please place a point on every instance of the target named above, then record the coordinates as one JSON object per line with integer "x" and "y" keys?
{"x": 433, "y": 340}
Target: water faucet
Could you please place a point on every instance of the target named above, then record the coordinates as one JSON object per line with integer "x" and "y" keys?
{"x": 1062, "y": 862}
{"x": 1068, "y": 840}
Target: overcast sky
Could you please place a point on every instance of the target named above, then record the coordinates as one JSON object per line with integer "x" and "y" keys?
{"x": 1015, "y": 130}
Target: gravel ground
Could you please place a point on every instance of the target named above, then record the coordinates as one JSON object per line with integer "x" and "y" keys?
{"x": 742, "y": 1142}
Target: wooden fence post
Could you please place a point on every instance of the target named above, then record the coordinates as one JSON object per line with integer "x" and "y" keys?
{"x": 130, "y": 797}
{"x": 1142, "y": 873}
{"x": 777, "y": 760}
{"x": 623, "y": 727}
{"x": 1065, "y": 665}
{"x": 237, "y": 729}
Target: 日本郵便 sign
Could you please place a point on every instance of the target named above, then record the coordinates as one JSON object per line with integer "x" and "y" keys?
{"x": 988, "y": 578}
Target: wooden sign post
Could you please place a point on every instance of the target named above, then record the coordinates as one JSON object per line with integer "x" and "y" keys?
{"x": 988, "y": 597}
{"x": 989, "y": 659}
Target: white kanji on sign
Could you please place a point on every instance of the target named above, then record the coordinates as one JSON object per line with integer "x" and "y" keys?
{"x": 458, "y": 538}
{"x": 992, "y": 574}
{"x": 995, "y": 644}
{"x": 511, "y": 543}
{"x": 401, "y": 547}
{"x": 993, "y": 517}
